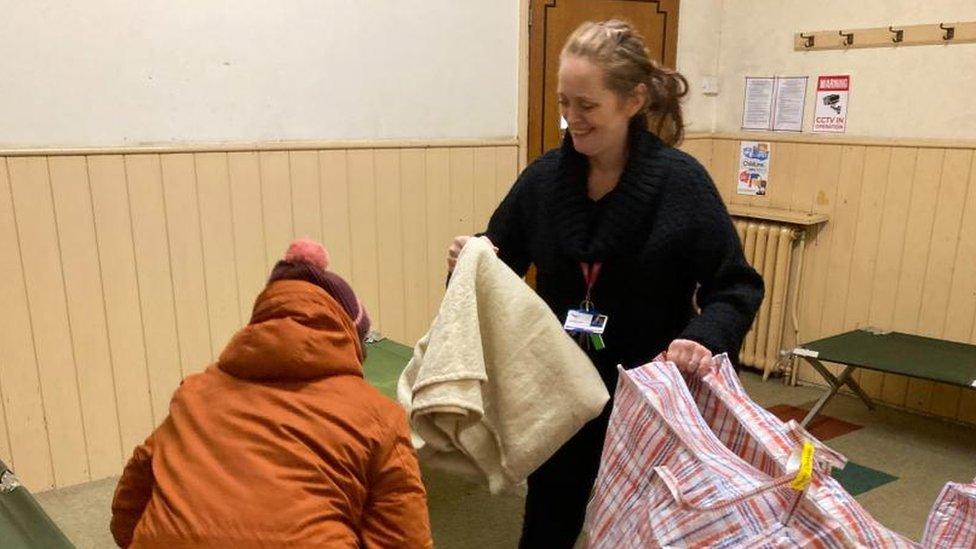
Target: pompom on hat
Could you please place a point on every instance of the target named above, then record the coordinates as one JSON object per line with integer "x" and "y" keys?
{"x": 308, "y": 251}
{"x": 308, "y": 260}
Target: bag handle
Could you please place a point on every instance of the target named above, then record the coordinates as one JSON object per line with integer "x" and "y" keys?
{"x": 677, "y": 493}
{"x": 718, "y": 377}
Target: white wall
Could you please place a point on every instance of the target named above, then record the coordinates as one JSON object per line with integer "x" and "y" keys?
{"x": 109, "y": 72}
{"x": 909, "y": 92}
{"x": 114, "y": 72}
{"x": 699, "y": 43}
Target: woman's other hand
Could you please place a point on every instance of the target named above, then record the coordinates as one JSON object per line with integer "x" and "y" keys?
{"x": 455, "y": 249}
{"x": 689, "y": 356}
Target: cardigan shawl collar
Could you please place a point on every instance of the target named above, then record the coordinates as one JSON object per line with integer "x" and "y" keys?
{"x": 623, "y": 226}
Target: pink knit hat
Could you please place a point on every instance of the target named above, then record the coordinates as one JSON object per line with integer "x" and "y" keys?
{"x": 308, "y": 260}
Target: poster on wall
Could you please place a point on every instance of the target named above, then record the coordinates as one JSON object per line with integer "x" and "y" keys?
{"x": 833, "y": 93}
{"x": 757, "y": 112}
{"x": 774, "y": 103}
{"x": 753, "y": 168}
{"x": 788, "y": 100}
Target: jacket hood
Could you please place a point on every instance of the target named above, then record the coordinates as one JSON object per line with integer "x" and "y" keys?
{"x": 298, "y": 332}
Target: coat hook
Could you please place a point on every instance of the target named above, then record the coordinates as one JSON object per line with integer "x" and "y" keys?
{"x": 807, "y": 40}
{"x": 848, "y": 37}
{"x": 899, "y": 35}
{"x": 950, "y": 32}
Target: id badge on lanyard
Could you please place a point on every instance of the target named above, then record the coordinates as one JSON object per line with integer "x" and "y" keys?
{"x": 586, "y": 322}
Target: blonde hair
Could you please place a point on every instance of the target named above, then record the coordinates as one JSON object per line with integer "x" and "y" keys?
{"x": 617, "y": 48}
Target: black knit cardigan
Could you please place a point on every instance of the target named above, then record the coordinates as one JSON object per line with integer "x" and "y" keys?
{"x": 665, "y": 240}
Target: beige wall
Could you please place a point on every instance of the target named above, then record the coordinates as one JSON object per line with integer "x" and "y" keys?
{"x": 699, "y": 44}
{"x": 125, "y": 272}
{"x": 909, "y": 92}
{"x": 897, "y": 252}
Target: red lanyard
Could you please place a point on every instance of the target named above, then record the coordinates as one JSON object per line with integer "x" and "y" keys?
{"x": 591, "y": 273}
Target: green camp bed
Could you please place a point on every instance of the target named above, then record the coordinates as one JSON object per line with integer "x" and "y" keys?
{"x": 23, "y": 523}
{"x": 385, "y": 360}
{"x": 889, "y": 352}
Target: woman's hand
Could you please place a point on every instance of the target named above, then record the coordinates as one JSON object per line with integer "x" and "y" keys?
{"x": 689, "y": 356}
{"x": 455, "y": 250}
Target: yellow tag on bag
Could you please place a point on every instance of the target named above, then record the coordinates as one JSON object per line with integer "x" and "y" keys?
{"x": 805, "y": 471}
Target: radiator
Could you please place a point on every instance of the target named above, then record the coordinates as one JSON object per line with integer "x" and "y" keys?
{"x": 768, "y": 248}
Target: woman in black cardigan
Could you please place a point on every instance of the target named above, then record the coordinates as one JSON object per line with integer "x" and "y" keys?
{"x": 617, "y": 209}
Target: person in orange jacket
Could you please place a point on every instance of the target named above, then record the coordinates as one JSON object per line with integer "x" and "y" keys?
{"x": 281, "y": 442}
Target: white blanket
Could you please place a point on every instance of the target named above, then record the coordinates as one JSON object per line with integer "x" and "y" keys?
{"x": 496, "y": 386}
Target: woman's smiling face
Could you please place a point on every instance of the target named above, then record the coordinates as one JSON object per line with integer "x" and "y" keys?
{"x": 598, "y": 117}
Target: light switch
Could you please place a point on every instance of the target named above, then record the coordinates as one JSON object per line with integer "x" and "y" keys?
{"x": 709, "y": 85}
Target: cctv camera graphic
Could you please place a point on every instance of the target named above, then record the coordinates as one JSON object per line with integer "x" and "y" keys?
{"x": 833, "y": 101}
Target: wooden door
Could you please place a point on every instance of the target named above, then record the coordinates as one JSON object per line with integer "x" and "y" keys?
{"x": 550, "y": 24}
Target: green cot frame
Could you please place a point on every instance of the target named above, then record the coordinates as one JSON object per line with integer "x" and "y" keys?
{"x": 890, "y": 352}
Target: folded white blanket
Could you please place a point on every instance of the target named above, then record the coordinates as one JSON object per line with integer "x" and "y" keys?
{"x": 496, "y": 386}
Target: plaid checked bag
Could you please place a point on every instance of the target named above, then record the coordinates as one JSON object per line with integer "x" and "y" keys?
{"x": 695, "y": 462}
{"x": 666, "y": 480}
{"x": 762, "y": 440}
{"x": 952, "y": 522}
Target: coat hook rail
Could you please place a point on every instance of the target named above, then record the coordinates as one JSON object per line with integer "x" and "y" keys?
{"x": 944, "y": 33}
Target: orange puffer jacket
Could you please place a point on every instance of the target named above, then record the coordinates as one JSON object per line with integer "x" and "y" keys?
{"x": 280, "y": 443}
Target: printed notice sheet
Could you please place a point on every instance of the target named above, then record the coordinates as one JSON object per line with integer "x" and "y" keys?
{"x": 757, "y": 113}
{"x": 788, "y": 101}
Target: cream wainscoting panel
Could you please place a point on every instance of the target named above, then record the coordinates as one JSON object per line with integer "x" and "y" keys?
{"x": 897, "y": 252}
{"x": 125, "y": 270}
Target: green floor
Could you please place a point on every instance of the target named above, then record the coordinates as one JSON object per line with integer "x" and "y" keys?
{"x": 901, "y": 462}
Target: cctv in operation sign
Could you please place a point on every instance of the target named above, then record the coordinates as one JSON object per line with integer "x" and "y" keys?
{"x": 833, "y": 93}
